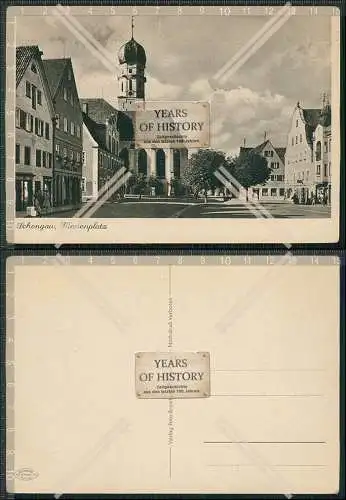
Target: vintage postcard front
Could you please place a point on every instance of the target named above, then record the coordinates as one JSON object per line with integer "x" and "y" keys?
{"x": 212, "y": 374}
{"x": 173, "y": 124}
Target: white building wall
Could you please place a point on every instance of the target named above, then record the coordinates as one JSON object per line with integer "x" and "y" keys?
{"x": 30, "y": 138}
{"x": 299, "y": 165}
{"x": 274, "y": 187}
{"x": 322, "y": 159}
{"x": 90, "y": 165}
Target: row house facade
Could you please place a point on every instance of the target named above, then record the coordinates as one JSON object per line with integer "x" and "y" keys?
{"x": 68, "y": 133}
{"x": 274, "y": 187}
{"x": 307, "y": 160}
{"x": 100, "y": 148}
{"x": 322, "y": 143}
{"x": 33, "y": 129}
{"x": 161, "y": 164}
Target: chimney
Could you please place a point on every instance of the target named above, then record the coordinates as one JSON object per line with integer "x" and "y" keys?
{"x": 244, "y": 142}
{"x": 265, "y": 135}
{"x": 85, "y": 108}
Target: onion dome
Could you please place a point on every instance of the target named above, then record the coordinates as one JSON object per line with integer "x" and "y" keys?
{"x": 132, "y": 52}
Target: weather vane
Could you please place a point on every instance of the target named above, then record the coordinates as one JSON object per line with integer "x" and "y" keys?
{"x": 132, "y": 25}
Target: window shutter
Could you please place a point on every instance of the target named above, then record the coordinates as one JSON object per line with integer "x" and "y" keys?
{"x": 22, "y": 119}
{"x": 36, "y": 126}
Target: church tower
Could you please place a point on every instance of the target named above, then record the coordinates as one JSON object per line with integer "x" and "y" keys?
{"x": 132, "y": 60}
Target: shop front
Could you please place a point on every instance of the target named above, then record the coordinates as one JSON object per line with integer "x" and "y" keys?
{"x": 67, "y": 190}
{"x": 24, "y": 192}
{"x": 323, "y": 193}
{"x": 47, "y": 186}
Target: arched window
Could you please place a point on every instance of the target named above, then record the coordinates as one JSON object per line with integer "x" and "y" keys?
{"x": 160, "y": 164}
{"x": 176, "y": 163}
{"x": 124, "y": 155}
{"x": 318, "y": 150}
{"x": 142, "y": 162}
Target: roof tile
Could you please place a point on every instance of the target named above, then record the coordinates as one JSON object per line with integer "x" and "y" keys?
{"x": 97, "y": 130}
{"x": 99, "y": 110}
{"x": 54, "y": 69}
{"x": 24, "y": 54}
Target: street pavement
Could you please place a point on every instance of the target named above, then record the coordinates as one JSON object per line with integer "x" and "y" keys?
{"x": 240, "y": 210}
{"x": 158, "y": 208}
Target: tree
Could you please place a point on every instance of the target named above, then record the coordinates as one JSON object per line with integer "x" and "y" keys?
{"x": 178, "y": 188}
{"x": 136, "y": 183}
{"x": 199, "y": 172}
{"x": 250, "y": 169}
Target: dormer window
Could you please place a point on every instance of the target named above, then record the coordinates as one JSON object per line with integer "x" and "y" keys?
{"x": 33, "y": 68}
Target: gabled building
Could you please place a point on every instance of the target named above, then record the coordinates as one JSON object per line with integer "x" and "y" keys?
{"x": 100, "y": 146}
{"x": 274, "y": 187}
{"x": 307, "y": 161}
{"x": 119, "y": 124}
{"x": 68, "y": 131}
{"x": 34, "y": 130}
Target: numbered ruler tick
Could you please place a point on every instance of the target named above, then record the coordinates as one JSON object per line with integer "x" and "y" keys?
{"x": 168, "y": 375}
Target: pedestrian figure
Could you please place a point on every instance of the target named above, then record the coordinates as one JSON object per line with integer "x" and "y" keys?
{"x": 38, "y": 202}
{"x": 46, "y": 202}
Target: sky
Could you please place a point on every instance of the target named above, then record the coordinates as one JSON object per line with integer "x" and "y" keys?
{"x": 184, "y": 53}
